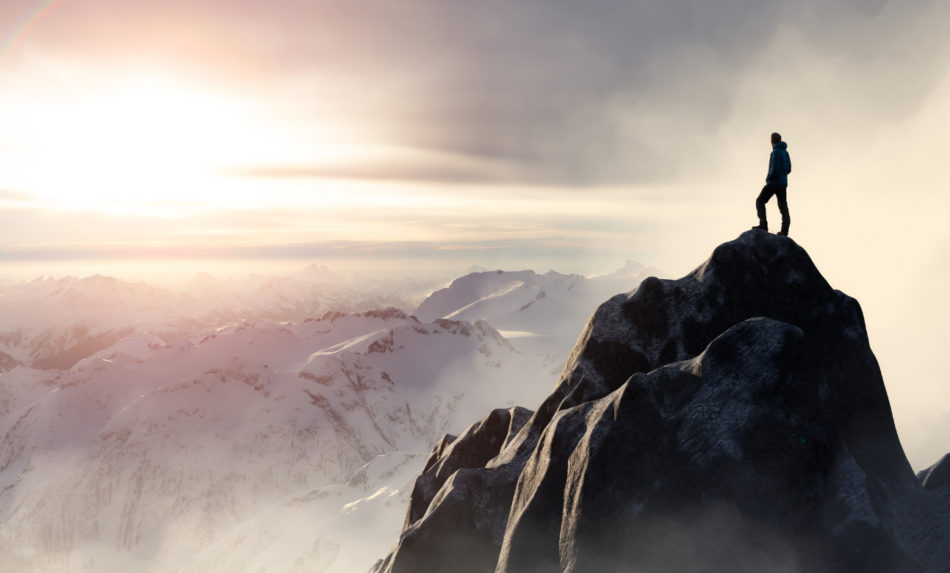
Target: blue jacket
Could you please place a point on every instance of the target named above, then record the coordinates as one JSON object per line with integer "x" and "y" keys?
{"x": 780, "y": 165}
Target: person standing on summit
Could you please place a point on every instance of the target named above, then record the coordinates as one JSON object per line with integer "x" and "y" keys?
{"x": 776, "y": 183}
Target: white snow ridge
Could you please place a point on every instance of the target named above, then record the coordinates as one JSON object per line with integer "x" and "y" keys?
{"x": 251, "y": 445}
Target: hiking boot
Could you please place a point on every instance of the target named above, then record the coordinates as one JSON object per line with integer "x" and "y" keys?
{"x": 761, "y": 227}
{"x": 782, "y": 233}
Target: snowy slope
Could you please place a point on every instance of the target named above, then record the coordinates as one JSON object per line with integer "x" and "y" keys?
{"x": 52, "y": 323}
{"x": 46, "y": 318}
{"x": 541, "y": 314}
{"x": 242, "y": 443}
{"x": 470, "y": 289}
{"x": 332, "y": 529}
{"x": 196, "y": 432}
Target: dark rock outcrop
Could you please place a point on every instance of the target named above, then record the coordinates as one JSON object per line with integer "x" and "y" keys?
{"x": 937, "y": 475}
{"x": 455, "y": 489}
{"x": 731, "y": 420}
{"x": 477, "y": 445}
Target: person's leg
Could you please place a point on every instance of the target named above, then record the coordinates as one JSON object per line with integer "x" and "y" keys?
{"x": 783, "y": 208}
{"x": 760, "y": 202}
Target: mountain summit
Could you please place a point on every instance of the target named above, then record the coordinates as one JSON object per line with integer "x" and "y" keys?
{"x": 731, "y": 420}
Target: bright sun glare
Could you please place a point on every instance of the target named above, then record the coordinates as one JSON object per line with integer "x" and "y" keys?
{"x": 148, "y": 142}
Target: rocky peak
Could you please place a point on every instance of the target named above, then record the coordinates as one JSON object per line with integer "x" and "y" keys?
{"x": 733, "y": 419}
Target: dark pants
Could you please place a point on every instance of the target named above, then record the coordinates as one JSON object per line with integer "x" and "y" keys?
{"x": 764, "y": 197}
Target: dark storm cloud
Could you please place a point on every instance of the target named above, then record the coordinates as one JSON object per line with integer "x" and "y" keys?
{"x": 601, "y": 91}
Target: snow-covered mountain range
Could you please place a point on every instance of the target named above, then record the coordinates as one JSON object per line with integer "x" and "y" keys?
{"x": 541, "y": 314}
{"x": 53, "y": 323}
{"x": 254, "y": 445}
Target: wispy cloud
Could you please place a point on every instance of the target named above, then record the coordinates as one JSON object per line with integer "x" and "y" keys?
{"x": 468, "y": 247}
{"x": 432, "y": 172}
{"x": 550, "y": 93}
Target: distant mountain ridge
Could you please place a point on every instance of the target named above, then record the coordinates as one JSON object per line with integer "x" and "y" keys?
{"x": 53, "y": 323}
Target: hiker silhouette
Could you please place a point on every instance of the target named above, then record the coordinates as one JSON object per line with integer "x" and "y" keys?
{"x": 776, "y": 183}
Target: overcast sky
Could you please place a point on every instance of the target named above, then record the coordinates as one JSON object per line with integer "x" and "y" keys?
{"x": 420, "y": 134}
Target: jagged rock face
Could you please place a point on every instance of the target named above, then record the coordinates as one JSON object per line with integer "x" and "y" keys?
{"x": 736, "y": 446}
{"x": 452, "y": 473}
{"x": 731, "y": 420}
{"x": 473, "y": 449}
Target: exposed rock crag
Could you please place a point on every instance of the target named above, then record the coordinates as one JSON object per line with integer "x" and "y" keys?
{"x": 732, "y": 420}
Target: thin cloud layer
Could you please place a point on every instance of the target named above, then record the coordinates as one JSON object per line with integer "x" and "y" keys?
{"x": 552, "y": 92}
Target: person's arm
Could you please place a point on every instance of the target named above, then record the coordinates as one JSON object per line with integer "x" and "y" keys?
{"x": 789, "y": 161}
{"x": 771, "y": 166}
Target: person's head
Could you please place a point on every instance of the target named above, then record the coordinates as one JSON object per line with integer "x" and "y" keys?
{"x": 776, "y": 138}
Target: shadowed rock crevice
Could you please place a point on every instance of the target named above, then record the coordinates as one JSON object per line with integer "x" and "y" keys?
{"x": 937, "y": 475}
{"x": 732, "y": 420}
